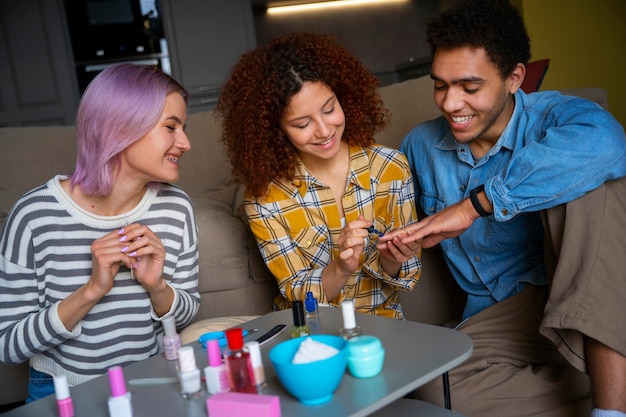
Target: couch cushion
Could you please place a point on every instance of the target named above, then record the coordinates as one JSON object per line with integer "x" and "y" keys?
{"x": 595, "y": 94}
{"x": 410, "y": 103}
{"x": 222, "y": 246}
{"x": 205, "y": 169}
{"x": 32, "y": 155}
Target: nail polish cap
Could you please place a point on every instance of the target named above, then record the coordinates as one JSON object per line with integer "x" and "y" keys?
{"x": 169, "y": 326}
{"x": 255, "y": 353}
{"x": 186, "y": 359}
{"x": 235, "y": 338}
{"x": 116, "y": 379}
{"x": 213, "y": 353}
{"x": 61, "y": 389}
{"x": 298, "y": 313}
{"x": 347, "y": 309}
{"x": 310, "y": 303}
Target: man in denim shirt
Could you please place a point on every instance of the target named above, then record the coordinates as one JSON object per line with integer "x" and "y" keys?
{"x": 491, "y": 173}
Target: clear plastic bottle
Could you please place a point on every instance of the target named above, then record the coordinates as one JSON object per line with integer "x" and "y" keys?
{"x": 238, "y": 364}
{"x": 299, "y": 328}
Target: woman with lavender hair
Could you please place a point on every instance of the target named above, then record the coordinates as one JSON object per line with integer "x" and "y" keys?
{"x": 91, "y": 263}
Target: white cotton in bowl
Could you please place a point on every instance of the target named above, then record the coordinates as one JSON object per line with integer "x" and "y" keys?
{"x": 311, "y": 350}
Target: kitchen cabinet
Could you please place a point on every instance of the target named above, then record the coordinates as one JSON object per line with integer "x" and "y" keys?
{"x": 205, "y": 38}
{"x": 37, "y": 80}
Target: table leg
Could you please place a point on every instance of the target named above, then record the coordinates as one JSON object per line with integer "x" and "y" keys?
{"x": 446, "y": 391}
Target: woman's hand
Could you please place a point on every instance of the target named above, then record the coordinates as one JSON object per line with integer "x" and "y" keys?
{"x": 352, "y": 244}
{"x": 106, "y": 257}
{"x": 394, "y": 252}
{"x": 397, "y": 251}
{"x": 144, "y": 254}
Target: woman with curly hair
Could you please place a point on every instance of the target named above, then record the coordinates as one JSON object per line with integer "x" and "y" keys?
{"x": 299, "y": 117}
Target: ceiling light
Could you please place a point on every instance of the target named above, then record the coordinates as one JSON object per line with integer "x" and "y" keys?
{"x": 288, "y": 7}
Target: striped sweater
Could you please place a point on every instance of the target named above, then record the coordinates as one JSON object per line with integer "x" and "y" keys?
{"x": 45, "y": 255}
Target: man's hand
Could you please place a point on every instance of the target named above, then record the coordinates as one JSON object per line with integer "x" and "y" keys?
{"x": 448, "y": 223}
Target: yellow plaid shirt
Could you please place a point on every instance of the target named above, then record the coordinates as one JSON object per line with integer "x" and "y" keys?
{"x": 297, "y": 225}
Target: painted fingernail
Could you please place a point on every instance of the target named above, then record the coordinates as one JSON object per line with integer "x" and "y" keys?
{"x": 123, "y": 238}
{"x": 132, "y": 254}
{"x": 124, "y": 249}
{"x": 121, "y": 231}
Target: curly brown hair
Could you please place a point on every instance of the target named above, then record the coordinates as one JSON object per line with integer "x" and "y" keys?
{"x": 257, "y": 92}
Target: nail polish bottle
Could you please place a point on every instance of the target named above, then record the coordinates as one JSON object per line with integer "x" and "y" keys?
{"x": 238, "y": 364}
{"x": 215, "y": 373}
{"x": 312, "y": 313}
{"x": 299, "y": 328}
{"x": 256, "y": 360}
{"x": 349, "y": 329}
{"x": 119, "y": 403}
{"x": 188, "y": 373}
{"x": 64, "y": 401}
{"x": 171, "y": 339}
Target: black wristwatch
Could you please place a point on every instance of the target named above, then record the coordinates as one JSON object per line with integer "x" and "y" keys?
{"x": 475, "y": 203}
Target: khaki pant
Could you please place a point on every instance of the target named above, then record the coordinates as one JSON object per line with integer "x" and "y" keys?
{"x": 514, "y": 370}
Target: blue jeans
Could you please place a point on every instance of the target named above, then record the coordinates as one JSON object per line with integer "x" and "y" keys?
{"x": 39, "y": 385}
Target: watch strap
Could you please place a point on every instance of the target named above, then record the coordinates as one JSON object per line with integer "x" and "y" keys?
{"x": 476, "y": 203}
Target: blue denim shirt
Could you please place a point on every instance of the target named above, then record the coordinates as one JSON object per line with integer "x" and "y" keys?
{"x": 554, "y": 149}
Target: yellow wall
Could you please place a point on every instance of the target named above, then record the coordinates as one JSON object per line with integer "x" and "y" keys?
{"x": 586, "y": 43}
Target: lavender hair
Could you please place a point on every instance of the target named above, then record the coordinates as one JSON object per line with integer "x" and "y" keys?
{"x": 120, "y": 106}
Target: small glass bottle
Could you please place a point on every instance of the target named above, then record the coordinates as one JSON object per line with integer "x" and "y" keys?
{"x": 171, "y": 339}
{"x": 215, "y": 373}
{"x": 254, "y": 349}
{"x": 119, "y": 403}
{"x": 238, "y": 364}
{"x": 65, "y": 406}
{"x": 299, "y": 328}
{"x": 188, "y": 373}
{"x": 349, "y": 329}
{"x": 312, "y": 313}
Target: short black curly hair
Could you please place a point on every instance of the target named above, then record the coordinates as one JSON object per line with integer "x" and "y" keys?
{"x": 494, "y": 25}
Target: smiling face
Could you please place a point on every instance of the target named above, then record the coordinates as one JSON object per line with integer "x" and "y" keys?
{"x": 155, "y": 157}
{"x": 314, "y": 122}
{"x": 472, "y": 95}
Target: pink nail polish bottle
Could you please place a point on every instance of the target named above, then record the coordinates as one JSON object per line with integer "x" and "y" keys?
{"x": 120, "y": 404}
{"x": 62, "y": 392}
{"x": 215, "y": 373}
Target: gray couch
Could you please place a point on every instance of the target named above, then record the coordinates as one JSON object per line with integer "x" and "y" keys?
{"x": 233, "y": 279}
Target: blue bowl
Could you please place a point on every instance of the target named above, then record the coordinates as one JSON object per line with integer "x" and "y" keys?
{"x": 315, "y": 382}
